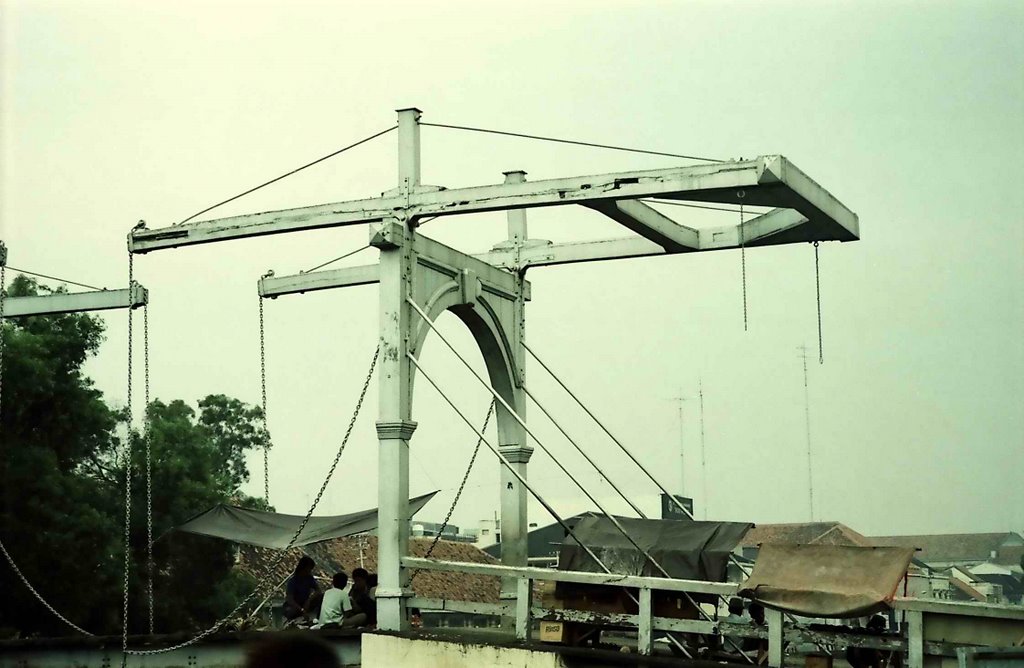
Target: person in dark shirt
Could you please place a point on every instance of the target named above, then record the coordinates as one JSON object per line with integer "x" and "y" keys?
{"x": 364, "y": 607}
{"x": 301, "y": 592}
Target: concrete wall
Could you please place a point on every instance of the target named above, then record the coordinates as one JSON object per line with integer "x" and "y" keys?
{"x": 382, "y": 651}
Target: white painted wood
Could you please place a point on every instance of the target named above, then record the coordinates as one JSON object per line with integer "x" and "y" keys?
{"x": 552, "y": 575}
{"x": 960, "y": 608}
{"x": 915, "y": 639}
{"x": 524, "y": 601}
{"x": 468, "y": 607}
{"x": 776, "y": 645}
{"x": 76, "y": 302}
{"x": 650, "y": 224}
{"x": 275, "y": 286}
{"x": 645, "y": 633}
{"x": 765, "y": 181}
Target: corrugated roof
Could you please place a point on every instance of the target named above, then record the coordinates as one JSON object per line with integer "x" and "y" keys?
{"x": 805, "y": 533}
{"x": 342, "y": 554}
{"x": 958, "y": 546}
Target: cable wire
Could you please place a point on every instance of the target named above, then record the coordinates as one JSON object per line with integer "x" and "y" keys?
{"x": 54, "y": 278}
{"x": 337, "y": 259}
{"x": 294, "y": 171}
{"x": 570, "y": 141}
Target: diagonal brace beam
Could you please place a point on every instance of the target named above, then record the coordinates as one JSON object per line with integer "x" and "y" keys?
{"x": 651, "y": 224}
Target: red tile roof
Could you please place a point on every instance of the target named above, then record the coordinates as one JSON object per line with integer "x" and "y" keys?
{"x": 805, "y": 533}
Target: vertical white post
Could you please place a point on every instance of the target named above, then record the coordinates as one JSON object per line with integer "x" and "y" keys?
{"x": 775, "y": 635}
{"x": 394, "y": 424}
{"x": 524, "y": 599}
{"x": 408, "y": 149}
{"x": 915, "y": 639}
{"x": 511, "y": 435}
{"x": 645, "y": 634}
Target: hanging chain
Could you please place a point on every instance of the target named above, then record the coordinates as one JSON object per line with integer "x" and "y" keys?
{"x": 129, "y": 438}
{"x": 462, "y": 486}
{"x": 263, "y": 392}
{"x": 743, "y": 258}
{"x": 283, "y": 553}
{"x": 147, "y": 439}
{"x": 817, "y": 286}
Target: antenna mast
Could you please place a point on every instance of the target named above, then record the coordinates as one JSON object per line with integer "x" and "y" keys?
{"x": 807, "y": 424}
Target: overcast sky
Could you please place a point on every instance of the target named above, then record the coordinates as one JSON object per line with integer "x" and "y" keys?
{"x": 911, "y": 113}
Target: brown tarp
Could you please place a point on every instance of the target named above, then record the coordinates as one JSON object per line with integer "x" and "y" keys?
{"x": 826, "y": 580}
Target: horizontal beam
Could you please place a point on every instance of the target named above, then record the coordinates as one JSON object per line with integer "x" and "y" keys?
{"x": 765, "y": 181}
{"x": 958, "y": 608}
{"x": 660, "y": 584}
{"x": 468, "y": 607}
{"x": 274, "y": 286}
{"x": 76, "y": 302}
{"x": 776, "y": 227}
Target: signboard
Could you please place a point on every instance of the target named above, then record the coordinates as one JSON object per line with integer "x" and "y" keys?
{"x": 670, "y": 511}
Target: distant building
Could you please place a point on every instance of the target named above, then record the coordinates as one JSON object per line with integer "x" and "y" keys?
{"x": 800, "y": 533}
{"x": 964, "y": 549}
{"x": 542, "y": 544}
{"x": 419, "y": 529}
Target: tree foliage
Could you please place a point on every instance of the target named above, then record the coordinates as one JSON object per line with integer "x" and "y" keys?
{"x": 62, "y": 468}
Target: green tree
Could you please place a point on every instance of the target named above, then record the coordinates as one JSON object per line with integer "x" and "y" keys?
{"x": 54, "y": 519}
{"x": 62, "y": 467}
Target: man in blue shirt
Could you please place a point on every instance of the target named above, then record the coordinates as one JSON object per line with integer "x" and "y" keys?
{"x": 301, "y": 592}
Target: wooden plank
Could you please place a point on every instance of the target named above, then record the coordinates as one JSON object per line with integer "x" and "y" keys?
{"x": 75, "y": 302}
{"x": 659, "y": 584}
{"x": 468, "y": 607}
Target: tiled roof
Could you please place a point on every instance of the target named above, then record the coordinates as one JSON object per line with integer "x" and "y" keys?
{"x": 342, "y": 554}
{"x": 804, "y": 533}
{"x": 959, "y": 546}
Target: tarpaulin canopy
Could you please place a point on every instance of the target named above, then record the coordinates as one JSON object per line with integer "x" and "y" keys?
{"x": 274, "y": 530}
{"x": 686, "y": 550}
{"x": 827, "y": 580}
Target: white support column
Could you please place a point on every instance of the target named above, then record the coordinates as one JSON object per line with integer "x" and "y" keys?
{"x": 645, "y": 633}
{"x": 775, "y": 635}
{"x": 408, "y": 150}
{"x": 394, "y": 426}
{"x": 915, "y": 639}
{"x": 512, "y": 435}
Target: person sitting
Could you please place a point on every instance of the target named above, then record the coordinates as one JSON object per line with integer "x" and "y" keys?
{"x": 301, "y": 592}
{"x": 364, "y": 607}
{"x": 335, "y": 603}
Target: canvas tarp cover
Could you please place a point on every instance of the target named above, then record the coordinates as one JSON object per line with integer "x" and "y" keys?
{"x": 826, "y": 580}
{"x": 274, "y": 530}
{"x": 686, "y": 550}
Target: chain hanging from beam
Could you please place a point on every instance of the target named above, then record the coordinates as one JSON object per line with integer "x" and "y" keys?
{"x": 458, "y": 493}
{"x": 127, "y": 462}
{"x": 743, "y": 258}
{"x": 263, "y": 396}
{"x": 148, "y": 442}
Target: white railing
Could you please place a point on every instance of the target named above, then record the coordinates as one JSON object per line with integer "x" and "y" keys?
{"x": 915, "y": 642}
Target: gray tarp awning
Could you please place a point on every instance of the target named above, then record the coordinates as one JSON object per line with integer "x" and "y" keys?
{"x": 687, "y": 550}
{"x": 826, "y": 580}
{"x": 274, "y": 530}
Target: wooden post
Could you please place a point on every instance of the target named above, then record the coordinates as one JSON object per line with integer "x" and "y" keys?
{"x": 524, "y": 599}
{"x": 775, "y": 643}
{"x": 915, "y": 639}
{"x": 645, "y": 635}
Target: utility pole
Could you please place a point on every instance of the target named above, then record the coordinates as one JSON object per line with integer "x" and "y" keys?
{"x": 703, "y": 457}
{"x": 807, "y": 424}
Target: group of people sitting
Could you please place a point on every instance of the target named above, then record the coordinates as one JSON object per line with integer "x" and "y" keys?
{"x": 346, "y": 604}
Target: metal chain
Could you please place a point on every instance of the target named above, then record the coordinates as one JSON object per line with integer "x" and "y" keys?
{"x": 263, "y": 584}
{"x": 147, "y": 439}
{"x": 817, "y": 286}
{"x": 129, "y": 438}
{"x": 462, "y": 486}
{"x": 263, "y": 392}
{"x": 743, "y": 258}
